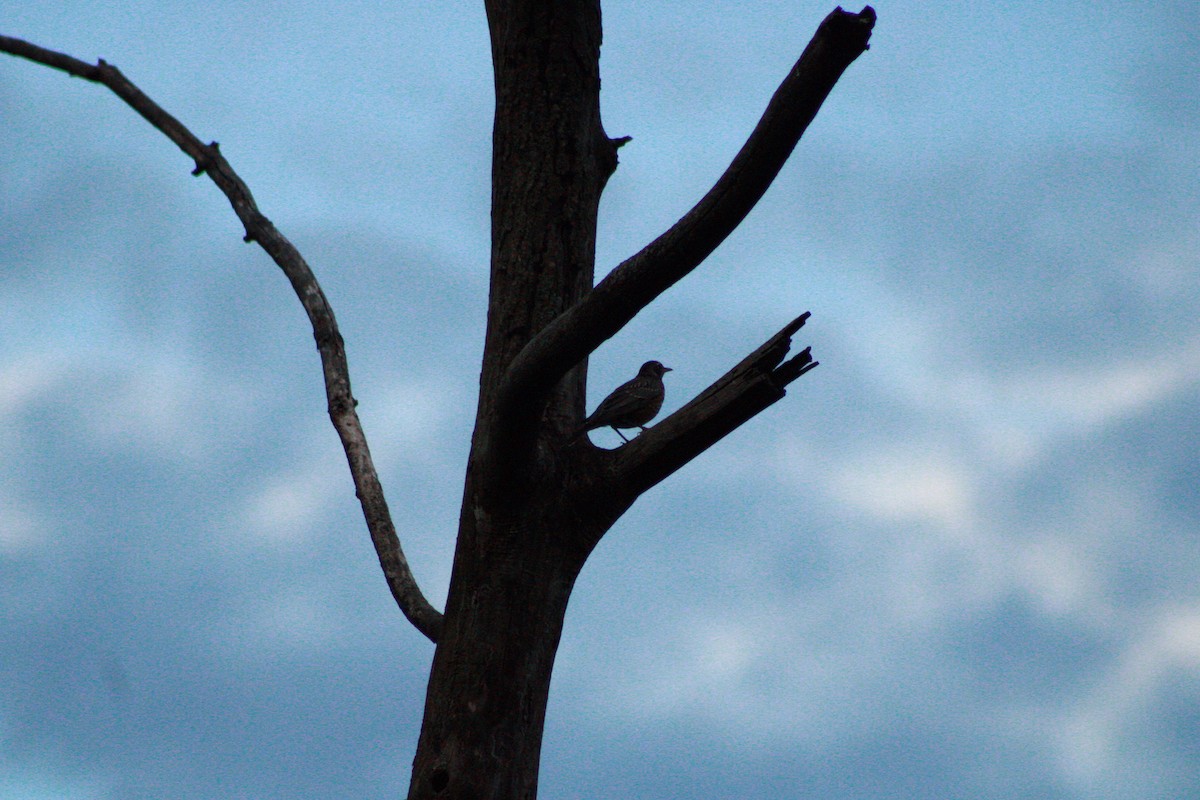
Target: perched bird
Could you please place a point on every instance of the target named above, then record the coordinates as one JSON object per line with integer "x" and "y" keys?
{"x": 631, "y": 405}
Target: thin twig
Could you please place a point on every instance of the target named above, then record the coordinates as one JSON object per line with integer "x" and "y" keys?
{"x": 259, "y": 229}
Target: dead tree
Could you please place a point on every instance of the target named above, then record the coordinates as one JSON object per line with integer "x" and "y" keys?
{"x": 536, "y": 501}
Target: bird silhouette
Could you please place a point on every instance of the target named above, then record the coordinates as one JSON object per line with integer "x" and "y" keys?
{"x": 630, "y": 405}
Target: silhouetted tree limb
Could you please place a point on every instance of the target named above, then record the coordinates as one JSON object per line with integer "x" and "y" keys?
{"x": 259, "y": 229}
{"x": 635, "y": 283}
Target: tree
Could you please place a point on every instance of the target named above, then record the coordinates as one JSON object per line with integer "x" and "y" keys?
{"x": 535, "y": 500}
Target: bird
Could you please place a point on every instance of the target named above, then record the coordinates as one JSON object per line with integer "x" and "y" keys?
{"x": 630, "y": 405}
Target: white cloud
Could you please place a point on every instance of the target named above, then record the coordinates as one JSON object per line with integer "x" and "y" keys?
{"x": 1083, "y": 400}
{"x": 700, "y": 666}
{"x": 409, "y": 417}
{"x": 165, "y": 404}
{"x": 49, "y": 782}
{"x": 1093, "y": 737}
{"x": 23, "y": 381}
{"x": 24, "y": 384}
{"x": 21, "y": 528}
{"x": 903, "y": 486}
{"x": 1009, "y": 414}
{"x": 284, "y": 507}
{"x": 1059, "y": 575}
{"x": 1015, "y": 418}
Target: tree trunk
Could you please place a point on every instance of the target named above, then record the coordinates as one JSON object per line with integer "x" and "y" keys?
{"x": 520, "y": 544}
{"x": 490, "y": 681}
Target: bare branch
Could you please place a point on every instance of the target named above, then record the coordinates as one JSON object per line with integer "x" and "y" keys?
{"x": 330, "y": 345}
{"x": 753, "y": 385}
{"x": 633, "y": 285}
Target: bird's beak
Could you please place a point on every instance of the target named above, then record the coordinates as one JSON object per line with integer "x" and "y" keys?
{"x": 667, "y": 369}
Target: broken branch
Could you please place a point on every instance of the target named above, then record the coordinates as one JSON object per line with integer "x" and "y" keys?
{"x": 757, "y": 382}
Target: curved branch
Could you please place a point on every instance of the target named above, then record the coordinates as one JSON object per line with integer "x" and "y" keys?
{"x": 329, "y": 340}
{"x": 635, "y": 283}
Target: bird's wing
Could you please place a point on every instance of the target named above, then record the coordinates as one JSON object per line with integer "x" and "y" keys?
{"x": 627, "y": 395}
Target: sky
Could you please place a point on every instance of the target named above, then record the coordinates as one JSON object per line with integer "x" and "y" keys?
{"x": 958, "y": 560}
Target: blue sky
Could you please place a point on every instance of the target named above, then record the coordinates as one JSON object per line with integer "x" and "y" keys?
{"x": 958, "y": 560}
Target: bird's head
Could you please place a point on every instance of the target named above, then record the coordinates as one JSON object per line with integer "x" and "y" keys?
{"x": 653, "y": 369}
